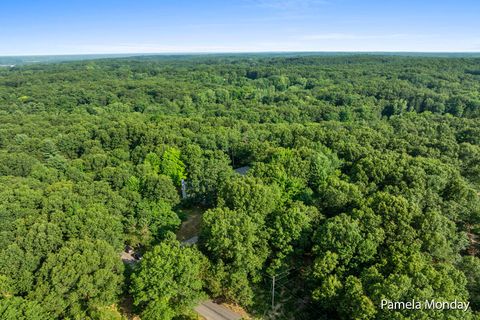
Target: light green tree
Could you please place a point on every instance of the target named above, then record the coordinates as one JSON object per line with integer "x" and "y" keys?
{"x": 171, "y": 165}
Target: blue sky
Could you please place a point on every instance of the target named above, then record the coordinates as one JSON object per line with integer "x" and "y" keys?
{"x": 147, "y": 26}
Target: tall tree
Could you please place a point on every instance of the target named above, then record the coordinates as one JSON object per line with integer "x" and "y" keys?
{"x": 168, "y": 281}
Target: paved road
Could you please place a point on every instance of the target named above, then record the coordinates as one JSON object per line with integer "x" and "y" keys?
{"x": 212, "y": 311}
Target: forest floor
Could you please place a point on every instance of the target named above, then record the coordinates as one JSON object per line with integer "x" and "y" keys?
{"x": 192, "y": 225}
{"x": 126, "y": 307}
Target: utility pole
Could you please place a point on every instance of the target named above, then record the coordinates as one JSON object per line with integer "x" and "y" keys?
{"x": 274, "y": 278}
{"x": 273, "y": 291}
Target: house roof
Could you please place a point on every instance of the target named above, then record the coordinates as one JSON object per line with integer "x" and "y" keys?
{"x": 242, "y": 170}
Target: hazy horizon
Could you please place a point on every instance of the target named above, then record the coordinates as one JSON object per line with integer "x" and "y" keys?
{"x": 133, "y": 54}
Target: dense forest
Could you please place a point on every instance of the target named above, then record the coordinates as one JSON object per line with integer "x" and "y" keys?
{"x": 362, "y": 183}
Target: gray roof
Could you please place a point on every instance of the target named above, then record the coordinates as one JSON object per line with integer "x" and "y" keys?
{"x": 190, "y": 241}
{"x": 242, "y": 170}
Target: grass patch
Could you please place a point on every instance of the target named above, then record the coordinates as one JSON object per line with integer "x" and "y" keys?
{"x": 192, "y": 223}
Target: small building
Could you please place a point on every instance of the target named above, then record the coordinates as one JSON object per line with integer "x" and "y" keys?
{"x": 242, "y": 170}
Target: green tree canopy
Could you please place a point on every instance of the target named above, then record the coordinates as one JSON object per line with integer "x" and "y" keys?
{"x": 168, "y": 281}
